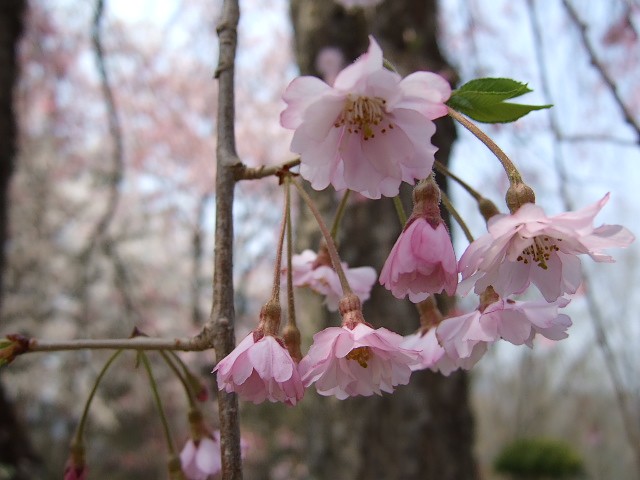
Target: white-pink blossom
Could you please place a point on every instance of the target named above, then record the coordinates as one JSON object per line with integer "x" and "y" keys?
{"x": 260, "y": 370}
{"x": 529, "y": 247}
{"x": 348, "y": 362}
{"x": 202, "y": 458}
{"x": 368, "y": 132}
{"x": 421, "y": 262}
{"x": 321, "y": 278}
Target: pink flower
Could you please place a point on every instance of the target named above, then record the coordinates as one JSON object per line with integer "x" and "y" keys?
{"x": 361, "y": 361}
{"x": 72, "y": 472}
{"x": 529, "y": 247}
{"x": 466, "y": 337}
{"x": 260, "y": 370}
{"x": 427, "y": 345}
{"x": 370, "y": 131}
{"x": 518, "y": 322}
{"x": 421, "y": 262}
{"x": 307, "y": 272}
{"x": 201, "y": 459}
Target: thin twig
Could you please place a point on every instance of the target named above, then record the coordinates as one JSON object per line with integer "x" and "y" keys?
{"x": 186, "y": 344}
{"x": 247, "y": 173}
{"x": 599, "y": 66}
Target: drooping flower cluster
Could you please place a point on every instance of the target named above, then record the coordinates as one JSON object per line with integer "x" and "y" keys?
{"x": 368, "y": 132}
{"x": 314, "y": 270}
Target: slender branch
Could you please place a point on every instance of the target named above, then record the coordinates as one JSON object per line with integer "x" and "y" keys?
{"x": 243, "y": 172}
{"x": 599, "y": 66}
{"x": 454, "y": 213}
{"x": 510, "y": 169}
{"x": 331, "y": 245}
{"x": 221, "y": 321}
{"x": 192, "y": 344}
{"x": 180, "y": 375}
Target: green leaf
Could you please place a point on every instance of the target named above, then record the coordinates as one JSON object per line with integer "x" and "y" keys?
{"x": 483, "y": 100}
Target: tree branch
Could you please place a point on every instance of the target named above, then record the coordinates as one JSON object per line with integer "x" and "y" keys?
{"x": 599, "y": 66}
{"x": 246, "y": 173}
{"x": 221, "y": 321}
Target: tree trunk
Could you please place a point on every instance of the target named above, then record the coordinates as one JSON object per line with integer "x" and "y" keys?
{"x": 15, "y": 451}
{"x": 425, "y": 429}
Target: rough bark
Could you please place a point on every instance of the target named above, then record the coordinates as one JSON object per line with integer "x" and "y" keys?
{"x": 425, "y": 429}
{"x": 15, "y": 450}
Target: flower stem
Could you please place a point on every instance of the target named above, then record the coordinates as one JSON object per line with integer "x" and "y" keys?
{"x": 85, "y": 413}
{"x": 512, "y": 172}
{"x": 181, "y": 377}
{"x": 275, "y": 293}
{"x": 402, "y": 215}
{"x": 454, "y": 213}
{"x": 339, "y": 214}
{"x": 158, "y": 401}
{"x": 445, "y": 171}
{"x": 331, "y": 246}
{"x": 291, "y": 308}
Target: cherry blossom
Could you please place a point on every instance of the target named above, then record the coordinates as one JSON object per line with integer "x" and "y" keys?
{"x": 466, "y": 337}
{"x": 260, "y": 369}
{"x": 202, "y": 458}
{"x": 529, "y": 247}
{"x": 348, "y": 362}
{"x": 356, "y": 359}
{"x": 312, "y": 270}
{"x": 370, "y": 131}
{"x": 421, "y": 262}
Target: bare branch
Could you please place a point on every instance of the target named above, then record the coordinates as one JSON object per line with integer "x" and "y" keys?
{"x": 599, "y": 66}
{"x": 221, "y": 321}
{"x": 246, "y": 173}
{"x": 186, "y": 344}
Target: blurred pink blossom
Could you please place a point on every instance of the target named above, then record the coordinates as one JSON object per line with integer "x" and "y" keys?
{"x": 529, "y": 247}
{"x": 73, "y": 472}
{"x": 329, "y": 62}
{"x": 309, "y": 271}
{"x": 348, "y": 362}
{"x": 358, "y": 3}
{"x": 202, "y": 458}
{"x": 370, "y": 131}
{"x": 259, "y": 370}
{"x": 421, "y": 262}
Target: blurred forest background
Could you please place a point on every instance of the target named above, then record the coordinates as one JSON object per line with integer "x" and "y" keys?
{"x": 111, "y": 219}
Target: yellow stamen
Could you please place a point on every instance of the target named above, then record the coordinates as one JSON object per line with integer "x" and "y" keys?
{"x": 360, "y": 355}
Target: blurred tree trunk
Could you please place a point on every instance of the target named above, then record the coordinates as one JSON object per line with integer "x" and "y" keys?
{"x": 424, "y": 430}
{"x": 15, "y": 449}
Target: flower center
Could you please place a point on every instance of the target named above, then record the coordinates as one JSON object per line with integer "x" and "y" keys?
{"x": 361, "y": 115}
{"x": 539, "y": 252}
{"x": 360, "y": 355}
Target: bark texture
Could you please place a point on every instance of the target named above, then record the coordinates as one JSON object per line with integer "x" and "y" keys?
{"x": 424, "y": 430}
{"x": 16, "y": 455}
